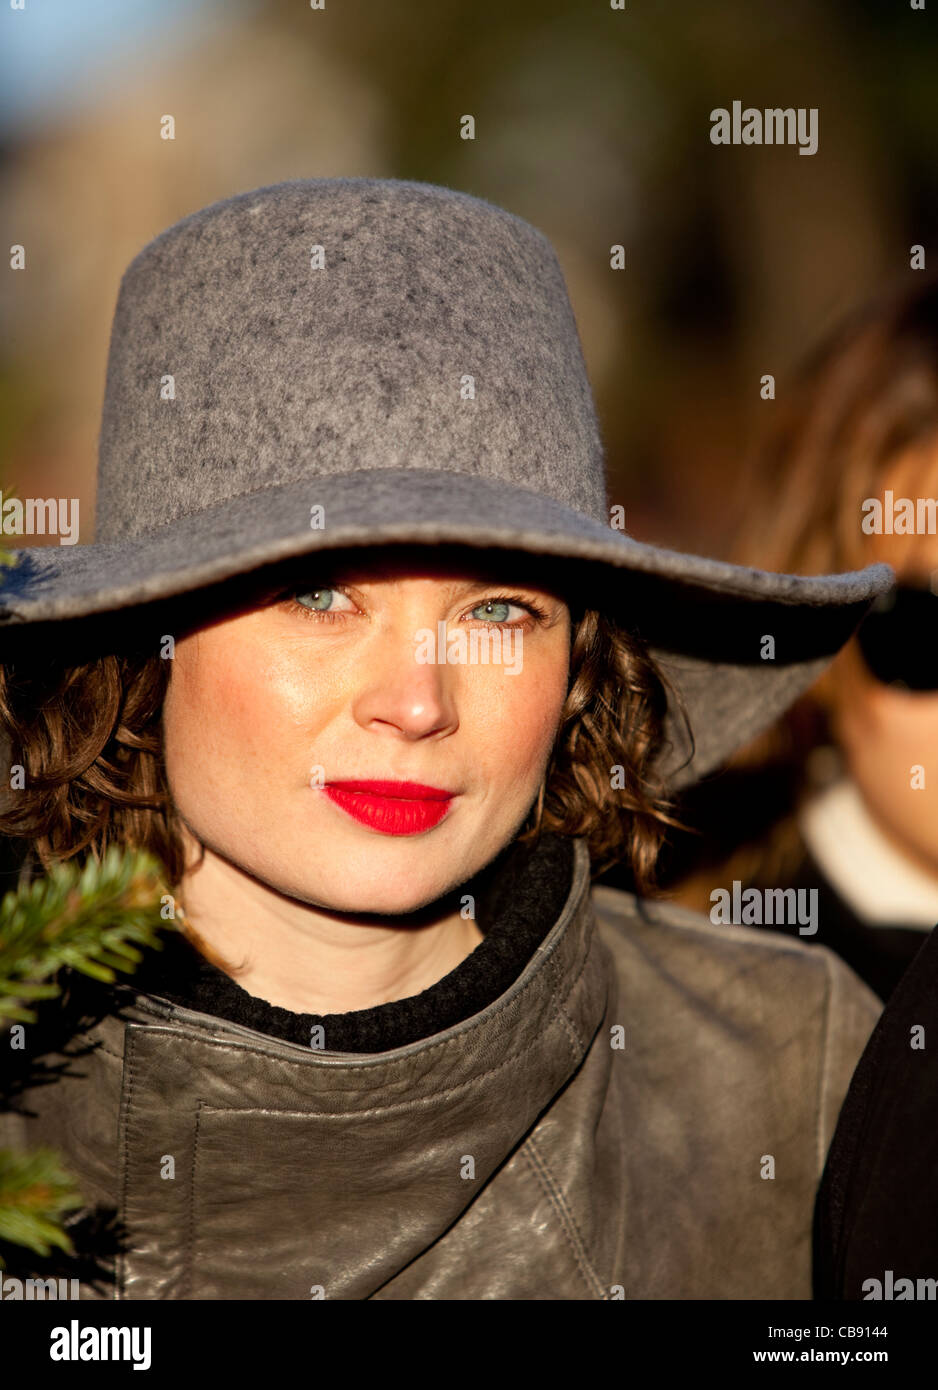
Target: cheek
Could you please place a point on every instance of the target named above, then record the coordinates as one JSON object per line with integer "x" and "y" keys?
{"x": 514, "y": 718}
{"x": 230, "y": 714}
{"x": 889, "y": 732}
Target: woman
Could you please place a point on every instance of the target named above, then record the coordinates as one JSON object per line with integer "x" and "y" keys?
{"x": 402, "y": 1050}
{"x": 841, "y": 798}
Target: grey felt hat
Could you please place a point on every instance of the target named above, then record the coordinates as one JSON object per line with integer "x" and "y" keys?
{"x": 327, "y": 363}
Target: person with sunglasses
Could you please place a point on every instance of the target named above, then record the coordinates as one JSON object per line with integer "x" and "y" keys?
{"x": 876, "y": 1217}
{"x": 842, "y": 793}
{"x": 840, "y": 797}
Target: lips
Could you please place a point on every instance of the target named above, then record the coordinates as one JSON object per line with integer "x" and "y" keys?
{"x": 393, "y": 808}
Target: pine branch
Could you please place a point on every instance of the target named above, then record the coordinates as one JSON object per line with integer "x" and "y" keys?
{"x": 88, "y": 917}
{"x": 92, "y": 918}
{"x": 35, "y": 1193}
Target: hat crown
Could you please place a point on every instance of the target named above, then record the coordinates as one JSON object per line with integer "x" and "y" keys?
{"x": 326, "y": 326}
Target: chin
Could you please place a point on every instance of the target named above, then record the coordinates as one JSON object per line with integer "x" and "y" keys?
{"x": 366, "y": 900}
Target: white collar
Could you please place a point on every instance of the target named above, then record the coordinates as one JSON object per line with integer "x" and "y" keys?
{"x": 881, "y": 885}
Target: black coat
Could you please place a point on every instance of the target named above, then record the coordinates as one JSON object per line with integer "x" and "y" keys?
{"x": 877, "y": 1210}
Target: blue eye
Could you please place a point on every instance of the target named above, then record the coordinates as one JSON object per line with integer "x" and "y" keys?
{"x": 317, "y": 600}
{"x": 495, "y": 608}
{"x": 494, "y": 611}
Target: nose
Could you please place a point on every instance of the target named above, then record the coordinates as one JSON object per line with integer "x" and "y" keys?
{"x": 414, "y": 699}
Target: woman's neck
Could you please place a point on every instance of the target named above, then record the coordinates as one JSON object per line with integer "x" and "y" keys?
{"x": 311, "y": 960}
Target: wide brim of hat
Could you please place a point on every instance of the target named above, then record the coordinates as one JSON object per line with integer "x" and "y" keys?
{"x": 706, "y": 621}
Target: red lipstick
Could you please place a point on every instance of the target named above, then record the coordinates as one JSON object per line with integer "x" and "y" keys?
{"x": 394, "y": 808}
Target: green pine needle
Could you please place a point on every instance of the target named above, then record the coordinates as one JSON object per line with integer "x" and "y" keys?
{"x": 92, "y": 917}
{"x": 35, "y": 1192}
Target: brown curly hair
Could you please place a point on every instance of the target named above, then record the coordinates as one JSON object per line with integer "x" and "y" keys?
{"x": 85, "y": 724}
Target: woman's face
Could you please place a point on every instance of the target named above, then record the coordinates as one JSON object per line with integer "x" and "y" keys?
{"x": 268, "y": 709}
{"x": 885, "y": 731}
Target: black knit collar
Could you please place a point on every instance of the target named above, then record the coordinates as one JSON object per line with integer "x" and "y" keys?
{"x": 518, "y": 899}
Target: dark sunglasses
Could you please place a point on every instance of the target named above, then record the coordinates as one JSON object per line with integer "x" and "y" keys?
{"x": 897, "y": 638}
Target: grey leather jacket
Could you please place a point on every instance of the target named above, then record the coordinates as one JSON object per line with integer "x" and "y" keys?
{"x": 644, "y": 1114}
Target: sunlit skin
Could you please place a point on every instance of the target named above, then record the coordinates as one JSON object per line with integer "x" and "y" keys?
{"x": 325, "y": 914}
{"x": 883, "y": 731}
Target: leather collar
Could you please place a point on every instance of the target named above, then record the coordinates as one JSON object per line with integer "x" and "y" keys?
{"x": 357, "y": 1163}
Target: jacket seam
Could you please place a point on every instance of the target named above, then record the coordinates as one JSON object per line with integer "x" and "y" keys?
{"x": 130, "y": 1074}
{"x": 190, "y": 1213}
{"x": 823, "y": 1086}
{"x": 566, "y": 1020}
{"x": 567, "y": 1220}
